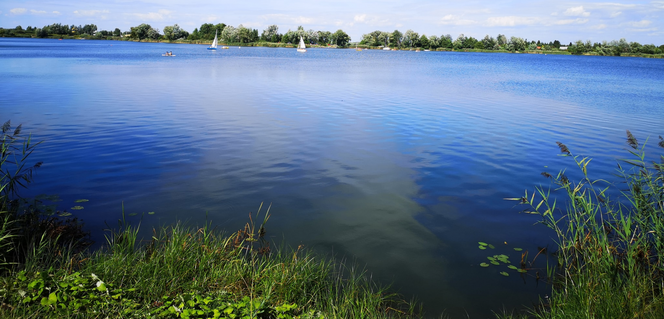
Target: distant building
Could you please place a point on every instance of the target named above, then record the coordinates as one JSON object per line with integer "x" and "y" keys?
{"x": 563, "y": 48}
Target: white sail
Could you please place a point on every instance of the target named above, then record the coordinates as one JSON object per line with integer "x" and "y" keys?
{"x": 214, "y": 43}
{"x": 301, "y": 47}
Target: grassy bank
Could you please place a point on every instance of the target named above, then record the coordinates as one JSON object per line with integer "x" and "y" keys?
{"x": 610, "y": 258}
{"x": 47, "y": 270}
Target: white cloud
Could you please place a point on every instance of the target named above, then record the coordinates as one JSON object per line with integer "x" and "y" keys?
{"x": 599, "y": 27}
{"x": 455, "y": 20}
{"x": 576, "y": 12}
{"x": 571, "y": 21}
{"x": 510, "y": 21}
{"x": 615, "y": 14}
{"x": 210, "y": 19}
{"x": 370, "y": 20}
{"x": 18, "y": 11}
{"x": 57, "y": 13}
{"x": 644, "y": 30}
{"x": 303, "y": 20}
{"x": 153, "y": 16}
{"x": 35, "y": 12}
{"x": 639, "y": 24}
{"x": 90, "y": 13}
{"x": 360, "y": 17}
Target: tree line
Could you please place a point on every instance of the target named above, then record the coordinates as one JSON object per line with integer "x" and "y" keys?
{"x": 395, "y": 39}
{"x": 411, "y": 39}
{"x": 226, "y": 33}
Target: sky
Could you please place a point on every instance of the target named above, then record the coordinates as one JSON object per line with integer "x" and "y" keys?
{"x": 545, "y": 20}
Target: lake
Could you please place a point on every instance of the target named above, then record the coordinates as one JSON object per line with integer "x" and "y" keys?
{"x": 396, "y": 161}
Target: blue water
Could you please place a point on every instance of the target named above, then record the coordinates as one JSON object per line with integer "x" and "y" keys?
{"x": 395, "y": 160}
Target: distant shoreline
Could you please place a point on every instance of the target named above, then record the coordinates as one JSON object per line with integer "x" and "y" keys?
{"x": 359, "y": 46}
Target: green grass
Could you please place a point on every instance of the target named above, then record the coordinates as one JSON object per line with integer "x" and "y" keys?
{"x": 610, "y": 262}
{"x": 197, "y": 270}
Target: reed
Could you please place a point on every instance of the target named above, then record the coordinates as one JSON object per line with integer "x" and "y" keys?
{"x": 610, "y": 250}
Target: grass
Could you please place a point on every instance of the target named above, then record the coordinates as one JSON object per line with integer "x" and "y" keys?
{"x": 46, "y": 270}
{"x": 610, "y": 260}
{"x": 198, "y": 271}
{"x": 610, "y": 250}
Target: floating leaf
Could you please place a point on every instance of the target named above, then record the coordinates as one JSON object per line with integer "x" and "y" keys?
{"x": 491, "y": 246}
{"x": 132, "y": 214}
{"x": 512, "y": 267}
{"x": 482, "y": 247}
{"x": 484, "y": 265}
{"x": 81, "y": 201}
{"x": 64, "y": 214}
{"x": 495, "y": 263}
{"x": 518, "y": 249}
{"x": 491, "y": 258}
{"x": 504, "y": 274}
{"x": 77, "y": 207}
{"x": 150, "y": 213}
{"x": 522, "y": 270}
{"x": 482, "y": 244}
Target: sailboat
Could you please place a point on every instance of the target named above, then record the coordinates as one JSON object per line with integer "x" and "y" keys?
{"x": 301, "y": 47}
{"x": 214, "y": 43}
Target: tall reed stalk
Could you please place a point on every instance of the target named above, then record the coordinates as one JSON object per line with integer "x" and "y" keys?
{"x": 610, "y": 250}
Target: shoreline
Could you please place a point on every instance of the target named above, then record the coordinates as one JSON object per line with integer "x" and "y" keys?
{"x": 363, "y": 47}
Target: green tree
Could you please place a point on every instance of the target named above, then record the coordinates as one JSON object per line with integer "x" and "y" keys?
{"x": 270, "y": 32}
{"x": 341, "y": 38}
{"x": 411, "y": 38}
{"x": 144, "y": 31}
{"x": 117, "y": 32}
{"x": 434, "y": 42}
{"x": 501, "y": 39}
{"x": 424, "y": 41}
{"x": 396, "y": 38}
{"x": 174, "y": 32}
{"x": 488, "y": 42}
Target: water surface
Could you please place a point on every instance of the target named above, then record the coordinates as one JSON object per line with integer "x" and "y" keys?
{"x": 395, "y": 160}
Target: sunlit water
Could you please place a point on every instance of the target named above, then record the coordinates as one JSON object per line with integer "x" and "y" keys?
{"x": 395, "y": 160}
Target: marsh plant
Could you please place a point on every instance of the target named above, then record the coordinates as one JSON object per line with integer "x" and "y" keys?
{"x": 610, "y": 250}
{"x": 30, "y": 231}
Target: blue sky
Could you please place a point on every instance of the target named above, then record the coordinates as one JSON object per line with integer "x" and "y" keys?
{"x": 544, "y": 20}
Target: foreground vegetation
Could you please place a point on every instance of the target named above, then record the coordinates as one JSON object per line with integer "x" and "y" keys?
{"x": 47, "y": 272}
{"x": 610, "y": 250}
{"x": 609, "y": 262}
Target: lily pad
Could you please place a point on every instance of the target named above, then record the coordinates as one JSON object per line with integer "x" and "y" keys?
{"x": 492, "y": 246}
{"x": 518, "y": 249}
{"x": 484, "y": 265}
{"x": 522, "y": 271}
{"x": 64, "y": 214}
{"x": 132, "y": 214}
{"x": 512, "y": 267}
{"x": 482, "y": 243}
{"x": 77, "y": 207}
{"x": 150, "y": 213}
{"x": 504, "y": 274}
{"x": 482, "y": 247}
{"x": 81, "y": 200}
{"x": 495, "y": 263}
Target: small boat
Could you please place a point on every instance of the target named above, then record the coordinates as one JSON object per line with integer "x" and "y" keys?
{"x": 386, "y": 48}
{"x": 168, "y": 55}
{"x": 301, "y": 47}
{"x": 224, "y": 47}
{"x": 214, "y": 43}
{"x": 357, "y": 49}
